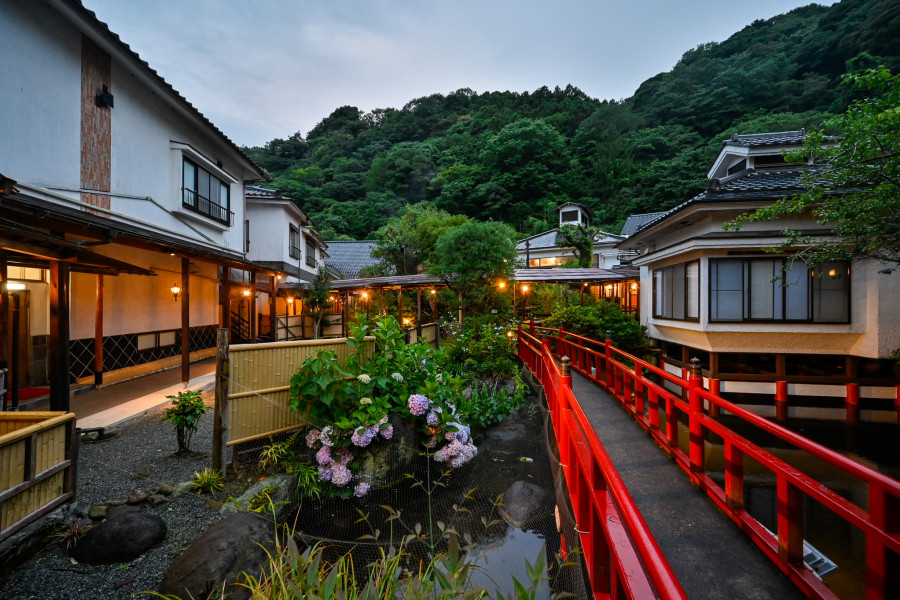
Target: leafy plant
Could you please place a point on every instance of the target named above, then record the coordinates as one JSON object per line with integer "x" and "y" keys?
{"x": 184, "y": 414}
{"x": 208, "y": 480}
{"x": 594, "y": 321}
{"x": 70, "y": 535}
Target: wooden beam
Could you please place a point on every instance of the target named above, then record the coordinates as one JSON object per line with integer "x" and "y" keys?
{"x": 4, "y": 316}
{"x": 98, "y": 333}
{"x": 251, "y": 312}
{"x": 273, "y": 307}
{"x": 58, "y": 351}
{"x": 185, "y": 320}
{"x": 220, "y": 411}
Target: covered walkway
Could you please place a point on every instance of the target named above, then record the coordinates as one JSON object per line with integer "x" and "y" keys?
{"x": 710, "y": 555}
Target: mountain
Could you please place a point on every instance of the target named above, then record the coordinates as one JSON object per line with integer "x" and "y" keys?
{"x": 513, "y": 157}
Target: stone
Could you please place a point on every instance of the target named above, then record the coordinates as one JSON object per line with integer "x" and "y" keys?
{"x": 185, "y": 487}
{"x": 279, "y": 488}
{"x": 98, "y": 512}
{"x": 385, "y": 460}
{"x": 165, "y": 490}
{"x": 235, "y": 545}
{"x": 156, "y": 499}
{"x": 137, "y": 498}
{"x": 126, "y": 534}
{"x": 31, "y": 539}
{"x": 523, "y": 504}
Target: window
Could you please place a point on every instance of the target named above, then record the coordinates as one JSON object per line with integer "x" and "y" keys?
{"x": 294, "y": 242}
{"x": 737, "y": 167}
{"x": 544, "y": 262}
{"x": 569, "y": 215}
{"x": 772, "y": 289}
{"x": 205, "y": 193}
{"x": 676, "y": 292}
{"x": 310, "y": 254}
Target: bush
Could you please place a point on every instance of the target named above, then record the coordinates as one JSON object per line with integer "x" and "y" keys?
{"x": 185, "y": 412}
{"x": 594, "y": 321}
{"x": 481, "y": 350}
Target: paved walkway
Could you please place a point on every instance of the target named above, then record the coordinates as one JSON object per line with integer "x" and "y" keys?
{"x": 109, "y": 405}
{"x": 709, "y": 554}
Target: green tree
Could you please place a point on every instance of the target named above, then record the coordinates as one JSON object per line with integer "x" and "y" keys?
{"x": 857, "y": 191}
{"x": 318, "y": 301}
{"x": 472, "y": 257}
{"x": 580, "y": 238}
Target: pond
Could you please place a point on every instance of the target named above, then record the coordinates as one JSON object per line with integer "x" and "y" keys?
{"x": 502, "y": 504}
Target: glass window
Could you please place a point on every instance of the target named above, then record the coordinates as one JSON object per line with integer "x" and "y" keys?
{"x": 763, "y": 289}
{"x": 294, "y": 242}
{"x": 205, "y": 193}
{"x": 676, "y": 291}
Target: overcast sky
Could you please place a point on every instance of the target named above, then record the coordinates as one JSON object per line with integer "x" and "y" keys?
{"x": 261, "y": 69}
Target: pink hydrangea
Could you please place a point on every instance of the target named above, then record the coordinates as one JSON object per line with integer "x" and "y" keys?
{"x": 324, "y": 473}
{"x": 362, "y": 437}
{"x": 312, "y": 437}
{"x": 433, "y": 417}
{"x": 388, "y": 432}
{"x": 361, "y": 489}
{"x": 340, "y": 475}
{"x": 323, "y": 456}
{"x": 344, "y": 456}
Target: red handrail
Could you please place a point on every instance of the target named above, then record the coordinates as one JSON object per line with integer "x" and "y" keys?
{"x": 640, "y": 396}
{"x": 623, "y": 559}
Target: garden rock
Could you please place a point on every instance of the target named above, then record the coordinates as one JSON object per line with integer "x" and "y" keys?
{"x": 126, "y": 533}
{"x": 137, "y": 498}
{"x": 381, "y": 462}
{"x": 522, "y": 504}
{"x": 156, "y": 499}
{"x": 237, "y": 544}
{"x": 280, "y": 491}
{"x": 98, "y": 512}
{"x": 185, "y": 487}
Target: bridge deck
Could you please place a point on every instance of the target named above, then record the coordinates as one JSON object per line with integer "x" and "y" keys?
{"x": 709, "y": 554}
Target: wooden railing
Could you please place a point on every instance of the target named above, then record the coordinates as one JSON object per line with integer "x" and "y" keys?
{"x": 642, "y": 389}
{"x": 37, "y": 466}
{"x": 622, "y": 558}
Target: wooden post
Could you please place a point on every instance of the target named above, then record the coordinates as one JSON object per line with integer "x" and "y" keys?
{"x": 4, "y": 328}
{"x": 220, "y": 410}
{"x": 98, "y": 333}
{"x": 852, "y": 403}
{"x": 273, "y": 307}
{"x": 185, "y": 320}
{"x": 781, "y": 396}
{"x": 419, "y": 312}
{"x": 58, "y": 350}
{"x": 695, "y": 412}
{"x": 251, "y": 310}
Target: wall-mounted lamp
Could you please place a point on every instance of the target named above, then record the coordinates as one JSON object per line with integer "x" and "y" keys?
{"x": 433, "y": 292}
{"x": 633, "y": 287}
{"x": 524, "y": 288}
{"x": 246, "y": 292}
{"x": 279, "y": 278}
{"x": 365, "y": 295}
{"x": 290, "y": 299}
{"x": 176, "y": 291}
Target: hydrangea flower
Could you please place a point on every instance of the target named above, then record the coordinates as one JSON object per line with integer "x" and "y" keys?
{"x": 397, "y": 377}
{"x": 325, "y": 473}
{"x": 340, "y": 475}
{"x": 439, "y": 378}
{"x": 364, "y": 378}
{"x": 461, "y": 434}
{"x": 312, "y": 437}
{"x": 344, "y": 456}
{"x": 325, "y": 436}
{"x": 418, "y": 404}
{"x": 433, "y": 417}
{"x": 365, "y": 401}
{"x": 323, "y": 456}
{"x": 361, "y": 489}
{"x": 388, "y": 432}
{"x": 363, "y": 436}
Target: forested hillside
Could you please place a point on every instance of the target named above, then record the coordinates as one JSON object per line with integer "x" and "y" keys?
{"x": 513, "y": 157}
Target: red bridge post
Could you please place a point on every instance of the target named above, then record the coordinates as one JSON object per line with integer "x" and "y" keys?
{"x": 695, "y": 406}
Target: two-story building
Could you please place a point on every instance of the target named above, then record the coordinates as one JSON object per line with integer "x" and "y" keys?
{"x": 812, "y": 339}
{"x": 123, "y": 227}
{"x": 542, "y": 249}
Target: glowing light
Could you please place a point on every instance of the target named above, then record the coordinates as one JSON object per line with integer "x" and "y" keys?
{"x": 16, "y": 287}
{"x": 832, "y": 273}
{"x": 365, "y": 295}
{"x": 246, "y": 292}
{"x": 176, "y": 291}
{"x": 290, "y": 299}
{"x": 509, "y": 334}
{"x": 524, "y": 288}
{"x": 502, "y": 284}
{"x": 608, "y": 287}
{"x": 434, "y": 291}
{"x": 406, "y": 321}
{"x": 633, "y": 287}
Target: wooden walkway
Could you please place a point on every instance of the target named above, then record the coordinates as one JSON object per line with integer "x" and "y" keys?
{"x": 711, "y": 557}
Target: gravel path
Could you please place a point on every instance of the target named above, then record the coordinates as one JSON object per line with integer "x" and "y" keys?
{"x": 140, "y": 457}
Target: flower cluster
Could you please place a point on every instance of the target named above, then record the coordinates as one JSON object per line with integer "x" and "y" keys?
{"x": 460, "y": 448}
{"x": 456, "y": 453}
{"x": 364, "y": 378}
{"x": 418, "y": 404}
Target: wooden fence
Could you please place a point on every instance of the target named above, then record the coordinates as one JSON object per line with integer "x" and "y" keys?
{"x": 37, "y": 466}
{"x": 429, "y": 335}
{"x": 259, "y": 385}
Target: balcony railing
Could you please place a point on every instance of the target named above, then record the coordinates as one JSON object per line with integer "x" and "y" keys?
{"x": 199, "y": 204}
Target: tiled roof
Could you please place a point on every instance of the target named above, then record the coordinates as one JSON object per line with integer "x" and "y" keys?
{"x": 349, "y": 258}
{"x": 548, "y": 240}
{"x": 91, "y": 17}
{"x": 254, "y": 191}
{"x": 635, "y": 222}
{"x": 780, "y": 138}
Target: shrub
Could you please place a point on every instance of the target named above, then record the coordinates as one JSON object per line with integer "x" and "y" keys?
{"x": 208, "y": 480}
{"x": 481, "y": 350}
{"x": 594, "y": 321}
{"x": 185, "y": 412}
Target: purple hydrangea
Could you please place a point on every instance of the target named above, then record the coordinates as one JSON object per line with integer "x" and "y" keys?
{"x": 312, "y": 437}
{"x": 418, "y": 404}
{"x": 323, "y": 456}
{"x": 344, "y": 456}
{"x": 432, "y": 442}
{"x": 324, "y": 473}
{"x": 361, "y": 489}
{"x": 363, "y": 436}
{"x": 340, "y": 475}
{"x": 433, "y": 419}
{"x": 465, "y": 454}
{"x": 388, "y": 432}
{"x": 461, "y": 434}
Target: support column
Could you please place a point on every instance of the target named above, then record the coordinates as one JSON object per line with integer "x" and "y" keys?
{"x": 4, "y": 324}
{"x": 220, "y": 412}
{"x": 273, "y": 307}
{"x": 251, "y": 312}
{"x": 419, "y": 312}
{"x": 58, "y": 351}
{"x": 185, "y": 320}
{"x": 98, "y": 333}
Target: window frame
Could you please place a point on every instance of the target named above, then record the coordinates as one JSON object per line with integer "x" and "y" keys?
{"x": 294, "y": 238}
{"x": 310, "y": 253}
{"x": 781, "y": 302}
{"x": 206, "y": 206}
{"x": 668, "y": 273}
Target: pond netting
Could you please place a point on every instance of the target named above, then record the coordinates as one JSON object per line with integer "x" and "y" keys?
{"x": 507, "y": 506}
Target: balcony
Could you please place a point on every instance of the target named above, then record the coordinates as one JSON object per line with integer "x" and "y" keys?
{"x": 204, "y": 206}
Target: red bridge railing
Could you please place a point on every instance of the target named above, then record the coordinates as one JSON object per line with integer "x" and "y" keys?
{"x": 623, "y": 560}
{"x": 641, "y": 388}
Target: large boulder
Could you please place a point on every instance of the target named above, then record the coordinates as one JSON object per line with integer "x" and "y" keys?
{"x": 525, "y": 503}
{"x": 237, "y": 544}
{"x": 126, "y": 533}
{"x": 385, "y": 462}
{"x": 275, "y": 494}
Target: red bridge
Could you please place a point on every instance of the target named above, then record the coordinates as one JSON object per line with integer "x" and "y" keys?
{"x": 642, "y": 504}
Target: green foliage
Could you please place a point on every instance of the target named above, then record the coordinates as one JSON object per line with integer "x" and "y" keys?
{"x": 318, "y": 300}
{"x": 208, "y": 480}
{"x": 184, "y": 414}
{"x": 594, "y": 321}
{"x": 487, "y": 405}
{"x": 415, "y": 234}
{"x": 857, "y": 192}
{"x": 581, "y": 239}
{"x": 283, "y": 456}
{"x": 480, "y": 350}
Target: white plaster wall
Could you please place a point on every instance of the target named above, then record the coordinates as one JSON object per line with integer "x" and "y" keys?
{"x": 40, "y": 95}
{"x": 269, "y": 233}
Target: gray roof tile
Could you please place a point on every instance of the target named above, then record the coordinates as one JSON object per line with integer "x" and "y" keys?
{"x": 349, "y": 258}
